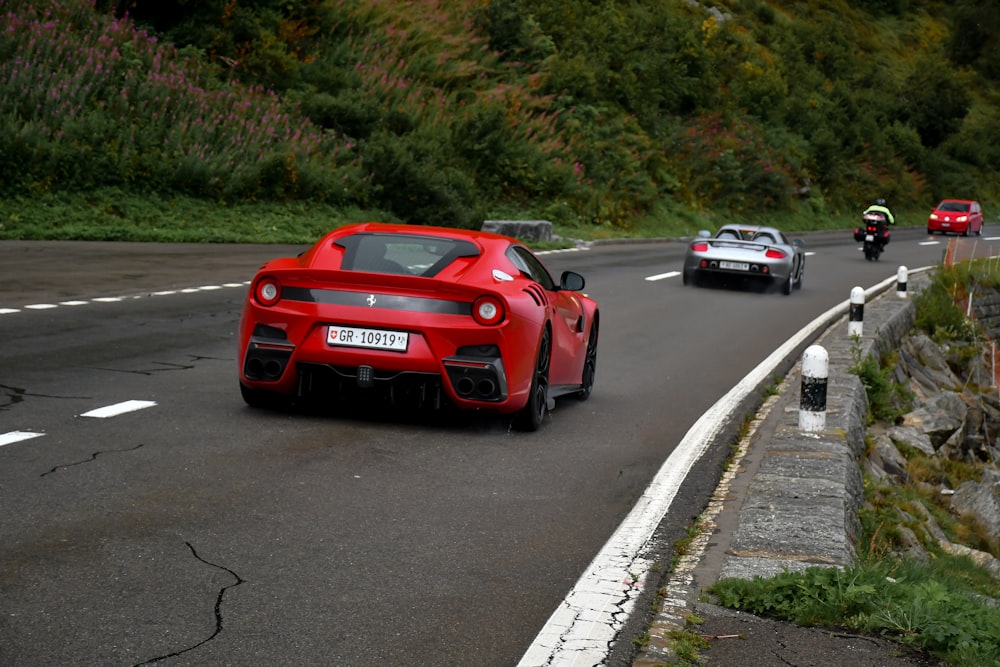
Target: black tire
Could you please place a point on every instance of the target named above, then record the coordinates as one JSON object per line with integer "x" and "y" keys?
{"x": 264, "y": 400}
{"x": 531, "y": 415}
{"x": 589, "y": 363}
{"x": 786, "y": 287}
{"x": 802, "y": 276}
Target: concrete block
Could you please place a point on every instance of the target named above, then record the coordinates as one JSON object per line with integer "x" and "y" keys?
{"x": 524, "y": 230}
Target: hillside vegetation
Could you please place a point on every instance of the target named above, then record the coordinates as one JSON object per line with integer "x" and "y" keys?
{"x": 598, "y": 115}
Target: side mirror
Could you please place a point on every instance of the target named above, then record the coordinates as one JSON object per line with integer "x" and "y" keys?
{"x": 704, "y": 233}
{"x": 798, "y": 242}
{"x": 571, "y": 280}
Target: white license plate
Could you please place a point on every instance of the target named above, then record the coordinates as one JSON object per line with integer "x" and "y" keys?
{"x": 734, "y": 266}
{"x": 869, "y": 237}
{"x": 376, "y": 339}
{"x": 946, "y": 224}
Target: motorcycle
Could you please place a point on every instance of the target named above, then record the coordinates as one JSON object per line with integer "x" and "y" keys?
{"x": 874, "y": 235}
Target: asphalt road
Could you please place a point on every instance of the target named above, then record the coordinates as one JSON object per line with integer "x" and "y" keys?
{"x": 194, "y": 530}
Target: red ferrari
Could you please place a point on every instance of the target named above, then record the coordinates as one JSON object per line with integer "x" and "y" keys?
{"x": 420, "y": 316}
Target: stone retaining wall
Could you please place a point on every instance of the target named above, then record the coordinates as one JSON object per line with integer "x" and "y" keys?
{"x": 802, "y": 502}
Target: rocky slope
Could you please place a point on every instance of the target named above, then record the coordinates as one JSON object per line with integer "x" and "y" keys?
{"x": 956, "y": 416}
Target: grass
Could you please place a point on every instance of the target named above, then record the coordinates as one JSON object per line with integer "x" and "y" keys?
{"x": 934, "y": 607}
{"x": 111, "y": 214}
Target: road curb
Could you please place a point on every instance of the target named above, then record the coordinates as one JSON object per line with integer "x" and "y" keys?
{"x": 789, "y": 499}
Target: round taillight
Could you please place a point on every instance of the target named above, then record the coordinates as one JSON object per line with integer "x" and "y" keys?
{"x": 487, "y": 310}
{"x": 268, "y": 292}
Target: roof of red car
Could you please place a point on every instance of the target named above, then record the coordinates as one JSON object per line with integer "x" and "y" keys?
{"x": 430, "y": 230}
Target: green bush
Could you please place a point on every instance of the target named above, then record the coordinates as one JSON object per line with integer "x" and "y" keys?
{"x": 888, "y": 400}
{"x": 599, "y": 112}
{"x": 936, "y": 312}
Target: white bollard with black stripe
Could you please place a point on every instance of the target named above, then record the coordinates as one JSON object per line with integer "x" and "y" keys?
{"x": 812, "y": 404}
{"x": 901, "y": 276}
{"x": 855, "y": 324}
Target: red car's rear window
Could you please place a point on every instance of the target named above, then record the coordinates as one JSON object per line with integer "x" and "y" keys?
{"x": 402, "y": 254}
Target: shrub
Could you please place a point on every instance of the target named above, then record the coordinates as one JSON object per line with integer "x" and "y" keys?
{"x": 936, "y": 312}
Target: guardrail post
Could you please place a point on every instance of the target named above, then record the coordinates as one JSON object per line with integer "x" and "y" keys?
{"x": 901, "y": 275}
{"x": 855, "y": 325}
{"x": 815, "y": 372}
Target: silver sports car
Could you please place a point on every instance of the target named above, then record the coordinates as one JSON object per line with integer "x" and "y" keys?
{"x": 746, "y": 251}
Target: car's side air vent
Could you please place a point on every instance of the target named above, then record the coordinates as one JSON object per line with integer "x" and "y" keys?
{"x": 536, "y": 293}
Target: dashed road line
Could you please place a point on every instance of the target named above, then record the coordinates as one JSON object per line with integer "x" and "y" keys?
{"x": 118, "y": 299}
{"x": 107, "y": 411}
{"x": 661, "y": 276}
{"x": 118, "y": 409}
{"x": 17, "y": 436}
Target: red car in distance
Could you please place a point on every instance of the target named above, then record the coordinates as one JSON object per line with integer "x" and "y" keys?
{"x": 958, "y": 216}
{"x": 418, "y": 317}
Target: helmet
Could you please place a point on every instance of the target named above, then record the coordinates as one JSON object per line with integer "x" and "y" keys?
{"x": 880, "y": 202}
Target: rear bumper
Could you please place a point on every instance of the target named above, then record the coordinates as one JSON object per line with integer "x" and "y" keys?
{"x": 471, "y": 377}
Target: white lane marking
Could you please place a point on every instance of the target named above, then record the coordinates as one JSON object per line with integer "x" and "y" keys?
{"x": 661, "y": 276}
{"x": 929, "y": 243}
{"x": 118, "y": 409}
{"x": 810, "y": 253}
{"x": 116, "y": 299}
{"x": 587, "y": 622}
{"x": 17, "y": 436}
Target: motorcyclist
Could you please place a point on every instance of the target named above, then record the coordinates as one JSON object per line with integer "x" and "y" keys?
{"x": 880, "y": 207}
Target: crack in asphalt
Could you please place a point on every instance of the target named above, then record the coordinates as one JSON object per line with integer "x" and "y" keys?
{"x": 17, "y": 395}
{"x": 166, "y": 366}
{"x": 217, "y": 610}
{"x": 92, "y": 458}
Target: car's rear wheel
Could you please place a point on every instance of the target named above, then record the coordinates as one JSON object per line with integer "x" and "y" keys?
{"x": 531, "y": 415}
{"x": 786, "y": 288}
{"x": 263, "y": 399}
{"x": 589, "y": 363}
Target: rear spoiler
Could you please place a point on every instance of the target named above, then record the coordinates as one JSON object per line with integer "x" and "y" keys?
{"x": 737, "y": 243}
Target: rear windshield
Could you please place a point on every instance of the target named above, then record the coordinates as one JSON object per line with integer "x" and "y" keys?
{"x": 402, "y": 254}
{"x": 955, "y": 206}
